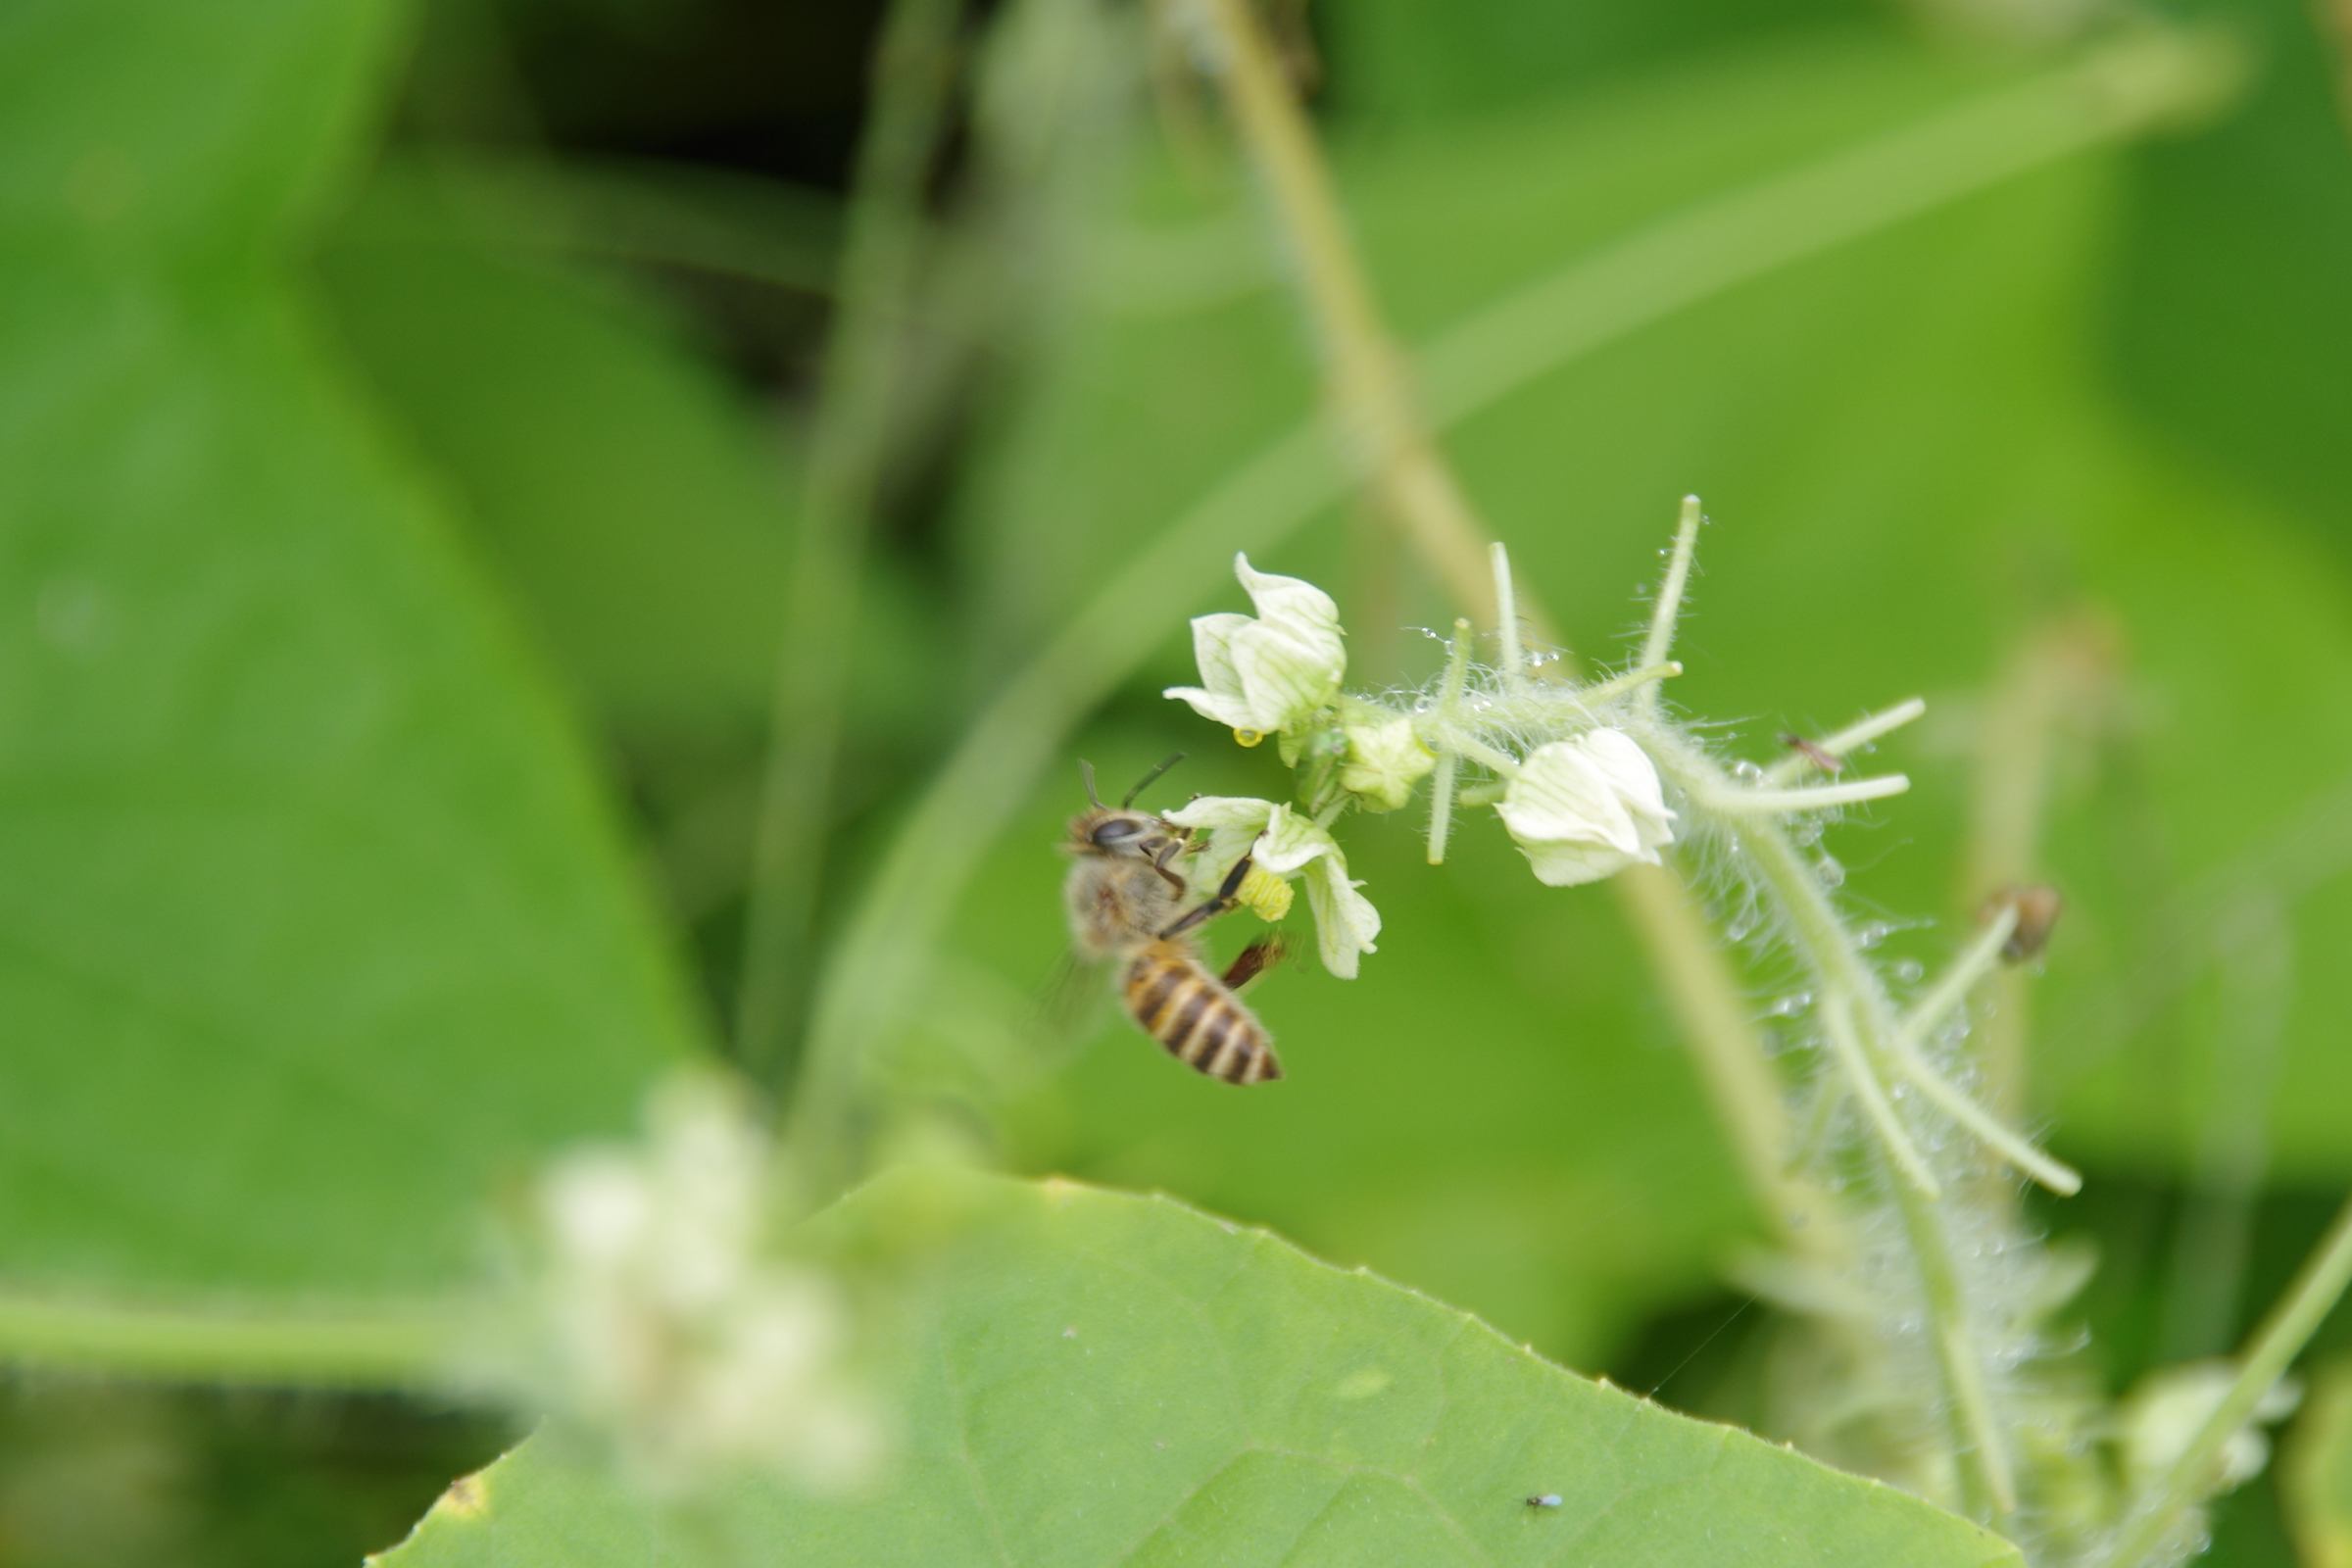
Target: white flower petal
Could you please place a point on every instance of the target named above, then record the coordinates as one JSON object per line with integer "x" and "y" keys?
{"x": 1587, "y": 808}
{"x": 1286, "y": 599}
{"x": 1231, "y": 712}
{"x": 1345, "y": 922}
{"x": 1565, "y": 865}
{"x": 1222, "y": 810}
{"x": 1561, "y": 795}
{"x": 1635, "y": 781}
{"x": 1212, "y": 649}
{"x": 1287, "y": 672}
{"x": 1290, "y": 841}
{"x": 1234, "y": 824}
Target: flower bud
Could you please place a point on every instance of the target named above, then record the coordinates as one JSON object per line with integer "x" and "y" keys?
{"x": 1271, "y": 672}
{"x": 1385, "y": 758}
{"x": 1587, "y": 808}
{"x": 2169, "y": 1407}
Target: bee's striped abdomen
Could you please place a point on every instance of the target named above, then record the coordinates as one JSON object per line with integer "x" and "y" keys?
{"x": 1206, "y": 1027}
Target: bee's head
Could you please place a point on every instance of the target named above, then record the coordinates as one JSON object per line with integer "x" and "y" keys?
{"x": 1115, "y": 830}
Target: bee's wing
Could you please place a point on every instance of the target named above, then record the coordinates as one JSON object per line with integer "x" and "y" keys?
{"x": 1072, "y": 1001}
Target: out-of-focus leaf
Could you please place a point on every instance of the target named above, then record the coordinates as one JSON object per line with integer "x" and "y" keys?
{"x": 315, "y": 925}
{"x": 1396, "y": 63}
{"x": 1907, "y": 463}
{"x": 629, "y": 499}
{"x": 2229, "y": 327}
{"x": 1102, "y": 1379}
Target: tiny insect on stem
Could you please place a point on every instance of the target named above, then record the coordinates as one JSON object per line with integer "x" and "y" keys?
{"x": 1828, "y": 761}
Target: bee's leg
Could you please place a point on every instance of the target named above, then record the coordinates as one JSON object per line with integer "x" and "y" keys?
{"x": 1251, "y": 961}
{"x": 1216, "y": 905}
{"x": 1159, "y": 863}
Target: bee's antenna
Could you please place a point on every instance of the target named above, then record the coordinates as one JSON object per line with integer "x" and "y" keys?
{"x": 1086, "y": 772}
{"x": 1144, "y": 783}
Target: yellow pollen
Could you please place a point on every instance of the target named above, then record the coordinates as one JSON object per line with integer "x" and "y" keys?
{"x": 1264, "y": 895}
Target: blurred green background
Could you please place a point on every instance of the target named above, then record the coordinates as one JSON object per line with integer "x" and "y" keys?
{"x": 403, "y": 425}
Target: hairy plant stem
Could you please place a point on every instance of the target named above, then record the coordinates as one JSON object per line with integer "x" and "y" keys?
{"x": 1979, "y": 1448}
{"x": 913, "y": 68}
{"x": 1669, "y": 610}
{"x": 1440, "y": 778}
{"x": 874, "y": 980}
{"x": 2288, "y": 1327}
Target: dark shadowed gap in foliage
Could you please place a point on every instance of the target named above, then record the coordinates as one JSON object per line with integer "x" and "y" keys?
{"x": 772, "y": 90}
{"x": 94, "y": 1475}
{"x": 1699, "y": 1356}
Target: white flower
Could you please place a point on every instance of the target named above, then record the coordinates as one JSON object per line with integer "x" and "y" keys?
{"x": 1267, "y": 674}
{"x": 2167, "y": 1407}
{"x": 1282, "y": 844}
{"x": 1587, "y": 808}
{"x": 669, "y": 1326}
{"x": 1385, "y": 759}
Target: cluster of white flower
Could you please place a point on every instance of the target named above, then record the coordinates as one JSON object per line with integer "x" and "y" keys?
{"x": 1580, "y": 809}
{"x": 667, "y": 1326}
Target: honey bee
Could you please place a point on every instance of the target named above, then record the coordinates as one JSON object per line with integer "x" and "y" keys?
{"x": 1126, "y": 904}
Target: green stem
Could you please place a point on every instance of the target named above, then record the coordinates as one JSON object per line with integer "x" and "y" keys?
{"x": 1861, "y": 1076}
{"x": 1737, "y": 798}
{"x": 1980, "y": 1450}
{"x": 1443, "y": 736}
{"x": 1989, "y": 1129}
{"x": 378, "y": 1348}
{"x": 913, "y": 69}
{"x": 1669, "y": 607}
{"x": 2291, "y": 1322}
{"x": 1441, "y": 784}
{"x": 1510, "y": 657}
{"x": 1616, "y": 686}
{"x": 1975, "y": 961}
{"x": 1855, "y": 735}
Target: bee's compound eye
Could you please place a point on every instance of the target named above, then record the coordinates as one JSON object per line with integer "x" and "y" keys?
{"x": 1115, "y": 831}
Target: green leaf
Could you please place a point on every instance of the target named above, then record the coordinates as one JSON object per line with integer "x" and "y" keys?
{"x": 314, "y": 925}
{"x": 626, "y": 497}
{"x": 1102, "y": 1379}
